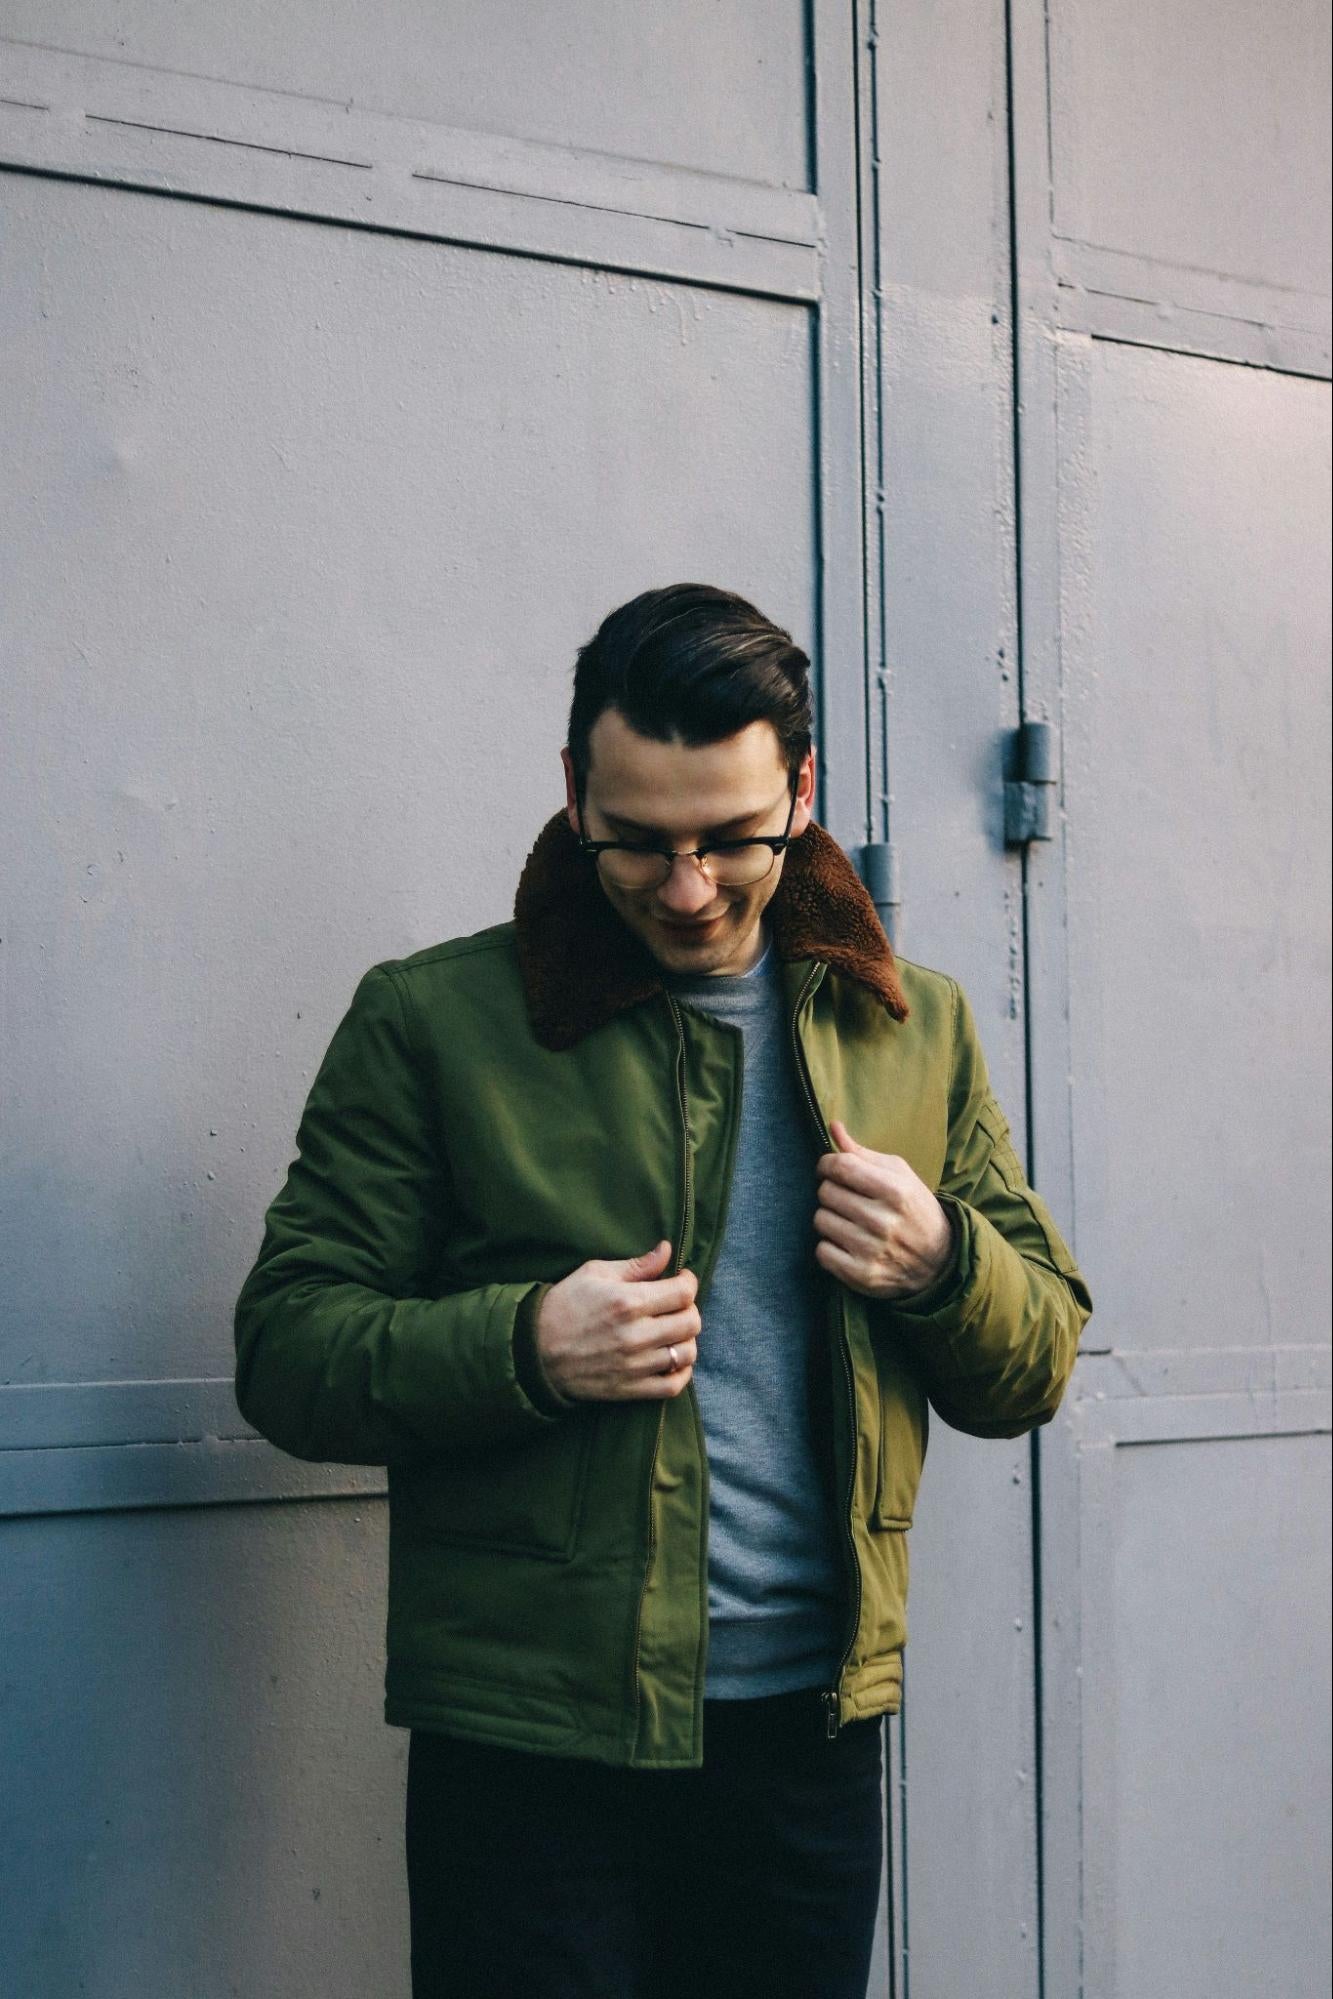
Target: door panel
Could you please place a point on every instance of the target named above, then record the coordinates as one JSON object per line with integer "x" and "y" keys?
{"x": 720, "y": 88}
{"x": 1197, "y": 856}
{"x": 285, "y": 602}
{"x": 1173, "y": 366}
{"x": 333, "y": 428}
{"x": 963, "y": 1756}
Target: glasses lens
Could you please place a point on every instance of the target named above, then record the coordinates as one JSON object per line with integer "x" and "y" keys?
{"x": 733, "y": 867}
{"x": 630, "y": 869}
{"x": 730, "y": 867}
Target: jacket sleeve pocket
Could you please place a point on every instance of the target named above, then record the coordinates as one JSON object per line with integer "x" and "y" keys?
{"x": 342, "y": 1354}
{"x": 996, "y": 1335}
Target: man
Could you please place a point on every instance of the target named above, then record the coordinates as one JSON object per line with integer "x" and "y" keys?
{"x": 635, "y": 1237}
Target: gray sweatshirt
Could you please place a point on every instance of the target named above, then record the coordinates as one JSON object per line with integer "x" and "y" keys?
{"x": 774, "y": 1586}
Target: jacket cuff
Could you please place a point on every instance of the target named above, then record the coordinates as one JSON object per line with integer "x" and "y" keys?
{"x": 527, "y": 1361}
{"x": 945, "y": 1290}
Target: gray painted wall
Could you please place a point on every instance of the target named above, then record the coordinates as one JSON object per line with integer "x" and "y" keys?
{"x": 331, "y": 426}
{"x": 352, "y": 373}
{"x": 1172, "y": 236}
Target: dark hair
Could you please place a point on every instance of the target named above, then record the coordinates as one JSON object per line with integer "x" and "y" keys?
{"x": 696, "y": 663}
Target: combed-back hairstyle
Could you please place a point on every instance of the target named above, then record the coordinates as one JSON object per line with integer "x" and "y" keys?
{"x": 692, "y": 663}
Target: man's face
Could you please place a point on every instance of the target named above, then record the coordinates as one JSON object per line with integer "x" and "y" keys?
{"x": 674, "y": 796}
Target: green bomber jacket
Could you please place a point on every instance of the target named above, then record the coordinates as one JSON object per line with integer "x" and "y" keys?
{"x": 495, "y": 1110}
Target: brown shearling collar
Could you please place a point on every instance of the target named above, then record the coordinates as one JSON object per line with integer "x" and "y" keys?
{"x": 580, "y": 964}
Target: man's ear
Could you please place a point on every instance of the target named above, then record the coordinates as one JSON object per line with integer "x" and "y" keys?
{"x": 805, "y": 795}
{"x": 571, "y": 794}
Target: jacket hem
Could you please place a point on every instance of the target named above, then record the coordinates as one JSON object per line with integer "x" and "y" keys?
{"x": 877, "y": 1688}
{"x": 553, "y": 1731}
{"x": 541, "y": 1728}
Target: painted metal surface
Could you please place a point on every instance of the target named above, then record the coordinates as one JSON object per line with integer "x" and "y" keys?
{"x": 286, "y": 642}
{"x": 1181, "y": 132}
{"x": 720, "y": 87}
{"x": 1198, "y": 980}
{"x": 333, "y": 432}
{"x": 89, "y": 118}
{"x": 1173, "y": 549}
{"x": 352, "y": 377}
{"x": 1221, "y": 1711}
{"x": 1200, "y": 723}
{"x": 1188, "y": 176}
{"x": 200, "y": 1797}
{"x": 945, "y": 702}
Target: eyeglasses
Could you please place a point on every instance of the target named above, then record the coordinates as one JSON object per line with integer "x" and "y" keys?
{"x": 725, "y": 863}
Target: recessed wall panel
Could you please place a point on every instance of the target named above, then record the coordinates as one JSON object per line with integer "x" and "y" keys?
{"x": 304, "y": 527}
{"x": 707, "y": 86}
{"x": 1195, "y": 133}
{"x": 1196, "y": 754}
{"x": 1221, "y": 1690}
{"x": 200, "y": 1794}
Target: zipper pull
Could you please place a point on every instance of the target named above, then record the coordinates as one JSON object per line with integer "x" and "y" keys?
{"x": 831, "y": 1713}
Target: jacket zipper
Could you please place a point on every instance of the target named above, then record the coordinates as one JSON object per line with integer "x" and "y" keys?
{"x": 686, "y": 1219}
{"x": 831, "y": 1699}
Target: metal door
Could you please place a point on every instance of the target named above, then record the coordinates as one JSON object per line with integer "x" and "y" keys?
{"x": 1174, "y": 246}
{"x": 1102, "y": 351}
{"x": 357, "y": 362}
{"x": 946, "y": 700}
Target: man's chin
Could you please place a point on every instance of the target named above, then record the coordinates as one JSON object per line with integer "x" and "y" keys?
{"x": 690, "y": 936}
{"x": 701, "y": 948}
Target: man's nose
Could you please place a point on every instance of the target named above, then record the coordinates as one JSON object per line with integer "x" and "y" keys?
{"x": 687, "y": 888}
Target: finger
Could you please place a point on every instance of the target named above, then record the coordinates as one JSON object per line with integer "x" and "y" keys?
{"x": 854, "y": 1169}
{"x": 836, "y": 1199}
{"x": 846, "y": 1235}
{"x": 649, "y": 1265}
{"x": 656, "y": 1359}
{"x": 657, "y": 1334}
{"x": 654, "y": 1387}
{"x": 665, "y": 1294}
{"x": 842, "y": 1137}
{"x": 838, "y": 1262}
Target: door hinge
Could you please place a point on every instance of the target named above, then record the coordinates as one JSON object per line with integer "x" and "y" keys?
{"x": 877, "y": 866}
{"x": 1029, "y": 796}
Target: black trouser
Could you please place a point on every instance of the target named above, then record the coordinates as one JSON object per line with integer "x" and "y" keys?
{"x": 552, "y": 1877}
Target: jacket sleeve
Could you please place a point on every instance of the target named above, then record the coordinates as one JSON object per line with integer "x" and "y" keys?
{"x": 994, "y": 1336}
{"x": 342, "y": 1354}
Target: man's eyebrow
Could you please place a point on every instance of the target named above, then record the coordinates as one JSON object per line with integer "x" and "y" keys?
{"x": 636, "y": 826}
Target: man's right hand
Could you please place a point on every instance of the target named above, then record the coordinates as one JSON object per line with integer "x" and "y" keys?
{"x": 603, "y": 1332}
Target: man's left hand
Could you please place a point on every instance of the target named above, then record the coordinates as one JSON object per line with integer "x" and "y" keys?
{"x": 880, "y": 1228}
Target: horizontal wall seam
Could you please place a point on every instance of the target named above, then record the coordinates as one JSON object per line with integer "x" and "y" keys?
{"x": 153, "y": 132}
{"x": 211, "y": 1472}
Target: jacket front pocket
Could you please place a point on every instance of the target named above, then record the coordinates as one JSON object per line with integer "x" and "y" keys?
{"x": 523, "y": 1499}
{"x": 904, "y": 1416}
